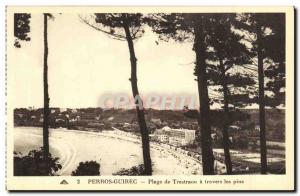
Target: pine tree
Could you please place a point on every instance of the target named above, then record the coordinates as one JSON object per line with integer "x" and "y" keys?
{"x": 21, "y": 31}
{"x": 227, "y": 55}
{"x": 262, "y": 29}
{"x": 195, "y": 28}
{"x": 127, "y": 27}
{"x": 46, "y": 91}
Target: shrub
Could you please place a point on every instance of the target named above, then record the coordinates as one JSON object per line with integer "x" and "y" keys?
{"x": 88, "y": 168}
{"x": 134, "y": 171}
{"x": 34, "y": 164}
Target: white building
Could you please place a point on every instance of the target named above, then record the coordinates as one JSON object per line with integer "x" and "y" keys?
{"x": 166, "y": 128}
{"x": 156, "y": 121}
{"x": 59, "y": 120}
{"x": 257, "y": 128}
{"x": 234, "y": 128}
{"x": 62, "y": 110}
{"x": 182, "y": 137}
{"x": 177, "y": 141}
{"x": 77, "y": 118}
{"x": 110, "y": 118}
{"x": 74, "y": 111}
{"x": 178, "y": 137}
{"x": 163, "y": 138}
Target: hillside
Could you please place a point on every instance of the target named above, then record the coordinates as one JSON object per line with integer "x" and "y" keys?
{"x": 101, "y": 119}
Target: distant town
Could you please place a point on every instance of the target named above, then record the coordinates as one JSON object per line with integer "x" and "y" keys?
{"x": 167, "y": 126}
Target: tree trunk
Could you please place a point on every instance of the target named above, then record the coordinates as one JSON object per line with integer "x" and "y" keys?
{"x": 46, "y": 94}
{"x": 205, "y": 128}
{"x": 139, "y": 106}
{"x": 226, "y": 143}
{"x": 261, "y": 99}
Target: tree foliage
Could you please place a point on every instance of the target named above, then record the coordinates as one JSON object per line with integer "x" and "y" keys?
{"x": 226, "y": 55}
{"x": 134, "y": 171}
{"x": 272, "y": 51}
{"x": 88, "y": 168}
{"x": 35, "y": 164}
{"x": 21, "y": 28}
{"x": 112, "y": 24}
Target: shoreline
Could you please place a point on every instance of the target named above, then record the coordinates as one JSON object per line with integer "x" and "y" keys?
{"x": 188, "y": 158}
{"x": 185, "y": 161}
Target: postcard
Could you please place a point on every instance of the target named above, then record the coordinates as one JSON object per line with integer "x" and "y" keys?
{"x": 150, "y": 98}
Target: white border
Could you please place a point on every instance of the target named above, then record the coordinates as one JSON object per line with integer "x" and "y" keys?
{"x": 105, "y": 2}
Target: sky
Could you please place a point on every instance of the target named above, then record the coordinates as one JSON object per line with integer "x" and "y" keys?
{"x": 85, "y": 64}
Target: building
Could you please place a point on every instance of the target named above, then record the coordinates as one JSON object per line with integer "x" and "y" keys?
{"x": 59, "y": 120}
{"x": 156, "y": 121}
{"x": 257, "y": 128}
{"x": 166, "y": 128}
{"x": 77, "y": 118}
{"x": 177, "y": 137}
{"x": 74, "y": 111}
{"x": 126, "y": 125}
{"x": 162, "y": 134}
{"x": 177, "y": 141}
{"x": 234, "y": 128}
{"x": 163, "y": 138}
{"x": 182, "y": 137}
{"x": 61, "y": 110}
{"x": 110, "y": 118}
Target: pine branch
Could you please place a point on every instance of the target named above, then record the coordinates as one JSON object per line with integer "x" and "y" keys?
{"x": 113, "y": 36}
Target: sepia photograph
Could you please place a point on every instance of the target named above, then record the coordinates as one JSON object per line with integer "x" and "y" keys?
{"x": 145, "y": 93}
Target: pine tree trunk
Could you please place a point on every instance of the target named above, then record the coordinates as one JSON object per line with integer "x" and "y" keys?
{"x": 46, "y": 94}
{"x": 205, "y": 127}
{"x": 226, "y": 144}
{"x": 139, "y": 107}
{"x": 261, "y": 98}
